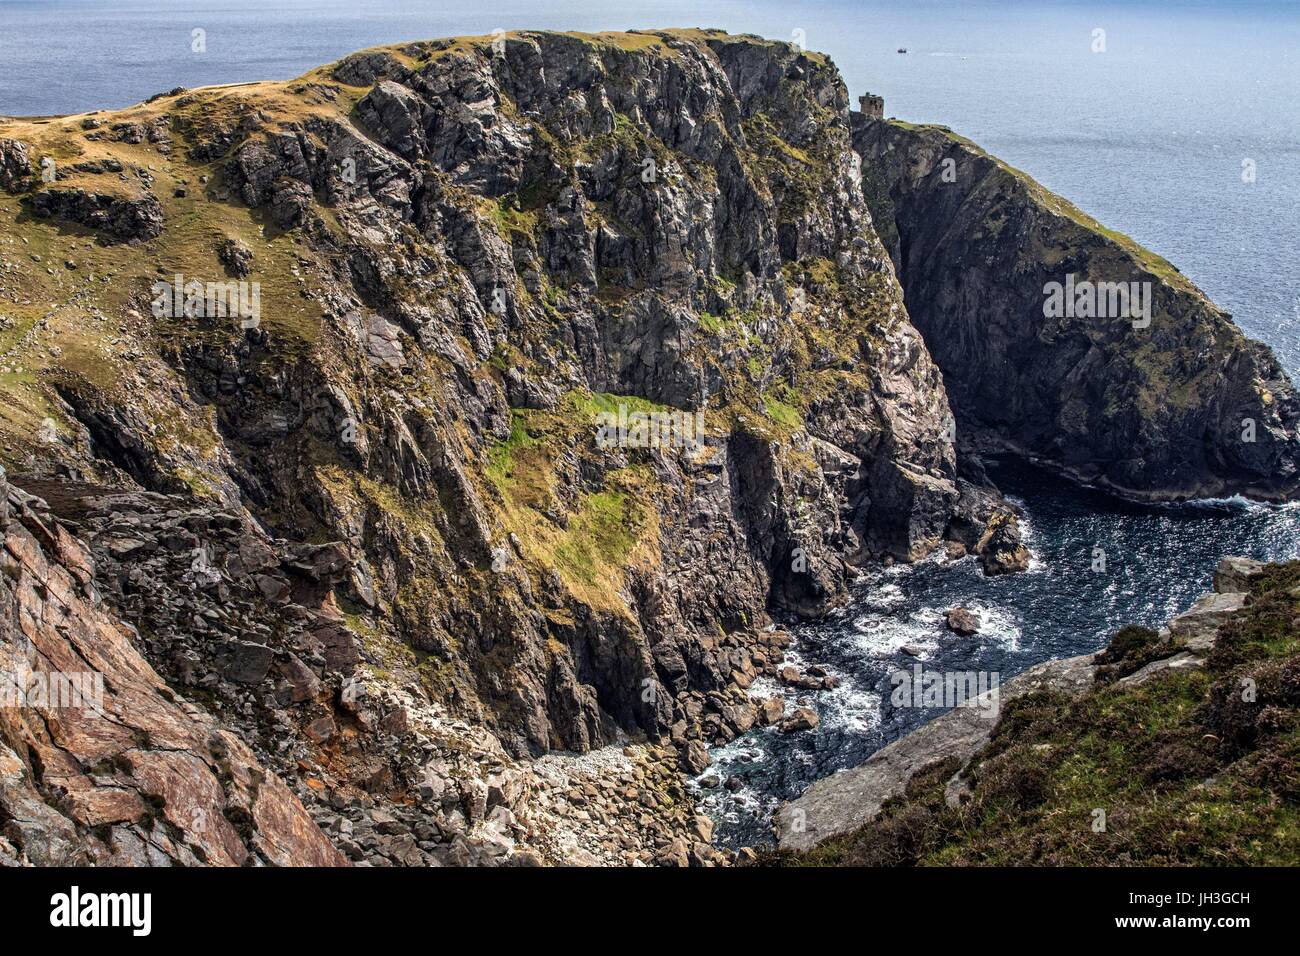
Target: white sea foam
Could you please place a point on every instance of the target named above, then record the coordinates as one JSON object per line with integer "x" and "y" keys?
{"x": 885, "y": 597}
{"x": 850, "y": 707}
{"x": 1233, "y": 502}
{"x": 1029, "y": 536}
{"x": 876, "y": 635}
{"x": 997, "y": 624}
{"x": 764, "y": 687}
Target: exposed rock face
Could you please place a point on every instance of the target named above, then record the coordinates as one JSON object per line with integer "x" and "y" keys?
{"x": 129, "y": 774}
{"x": 1182, "y": 406}
{"x": 577, "y": 360}
{"x": 671, "y": 221}
{"x": 117, "y": 218}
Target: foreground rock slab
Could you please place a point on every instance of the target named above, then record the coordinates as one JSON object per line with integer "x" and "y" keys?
{"x": 851, "y": 798}
{"x": 129, "y": 774}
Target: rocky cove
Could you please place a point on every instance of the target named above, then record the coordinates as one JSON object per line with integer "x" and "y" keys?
{"x": 389, "y": 599}
{"x": 1161, "y": 560}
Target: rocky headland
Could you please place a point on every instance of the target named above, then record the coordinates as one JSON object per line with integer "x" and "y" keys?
{"x": 305, "y": 385}
{"x": 1172, "y": 403}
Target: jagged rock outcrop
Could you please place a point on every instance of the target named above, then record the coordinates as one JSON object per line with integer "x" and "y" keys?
{"x": 100, "y": 761}
{"x": 15, "y": 165}
{"x": 1171, "y": 403}
{"x": 117, "y": 218}
{"x": 986, "y": 525}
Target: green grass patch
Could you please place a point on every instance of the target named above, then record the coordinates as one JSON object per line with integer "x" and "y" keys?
{"x": 501, "y": 457}
{"x": 587, "y": 405}
{"x": 600, "y": 537}
{"x": 782, "y": 413}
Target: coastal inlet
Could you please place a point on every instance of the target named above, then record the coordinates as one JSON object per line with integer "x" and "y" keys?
{"x": 1157, "y": 561}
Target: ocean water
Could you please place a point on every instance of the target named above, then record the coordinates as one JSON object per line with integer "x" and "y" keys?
{"x": 1152, "y": 136}
{"x": 1156, "y": 561}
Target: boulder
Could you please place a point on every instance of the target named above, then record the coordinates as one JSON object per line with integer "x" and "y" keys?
{"x": 771, "y": 710}
{"x": 695, "y": 757}
{"x": 15, "y": 166}
{"x": 246, "y": 662}
{"x": 803, "y": 718}
{"x": 236, "y": 258}
{"x": 961, "y": 621}
{"x": 1235, "y": 574}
